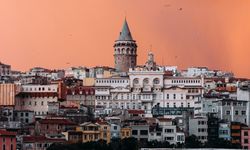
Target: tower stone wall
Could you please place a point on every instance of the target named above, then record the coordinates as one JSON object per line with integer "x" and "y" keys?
{"x": 125, "y": 50}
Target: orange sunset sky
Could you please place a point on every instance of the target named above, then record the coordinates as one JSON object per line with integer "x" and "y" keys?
{"x": 63, "y": 33}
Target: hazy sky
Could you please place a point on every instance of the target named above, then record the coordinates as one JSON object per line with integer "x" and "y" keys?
{"x": 63, "y": 33}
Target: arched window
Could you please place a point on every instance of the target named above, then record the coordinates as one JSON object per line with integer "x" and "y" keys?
{"x": 123, "y": 51}
{"x": 145, "y": 81}
{"x": 136, "y": 81}
{"x": 156, "y": 81}
{"x": 127, "y": 51}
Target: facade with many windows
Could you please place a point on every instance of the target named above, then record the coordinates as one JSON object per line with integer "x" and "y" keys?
{"x": 36, "y": 98}
{"x": 144, "y": 88}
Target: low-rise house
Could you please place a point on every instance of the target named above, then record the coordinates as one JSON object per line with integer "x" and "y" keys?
{"x": 115, "y": 130}
{"x": 90, "y": 131}
{"x": 245, "y": 137}
{"x": 236, "y": 132}
{"x": 24, "y": 116}
{"x": 80, "y": 95}
{"x": 105, "y": 131}
{"x": 36, "y": 98}
{"x": 198, "y": 127}
{"x": 39, "y": 142}
{"x": 233, "y": 110}
{"x": 125, "y": 132}
{"x": 73, "y": 136}
{"x": 7, "y": 140}
{"x": 140, "y": 131}
{"x": 166, "y": 130}
{"x": 53, "y": 126}
{"x": 224, "y": 131}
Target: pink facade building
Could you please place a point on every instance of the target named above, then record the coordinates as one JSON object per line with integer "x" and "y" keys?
{"x": 7, "y": 140}
{"x": 245, "y": 137}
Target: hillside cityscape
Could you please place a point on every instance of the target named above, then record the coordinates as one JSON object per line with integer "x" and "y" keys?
{"x": 128, "y": 106}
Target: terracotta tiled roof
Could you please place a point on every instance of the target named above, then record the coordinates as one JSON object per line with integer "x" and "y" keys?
{"x": 136, "y": 111}
{"x": 81, "y": 90}
{"x": 4, "y": 132}
{"x": 168, "y": 73}
{"x": 32, "y": 139}
{"x": 102, "y": 122}
{"x": 38, "y": 94}
{"x": 164, "y": 119}
{"x": 57, "y": 121}
{"x": 68, "y": 107}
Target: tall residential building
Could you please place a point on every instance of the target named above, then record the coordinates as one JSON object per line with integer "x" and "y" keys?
{"x": 125, "y": 50}
{"x": 7, "y": 94}
{"x": 5, "y": 70}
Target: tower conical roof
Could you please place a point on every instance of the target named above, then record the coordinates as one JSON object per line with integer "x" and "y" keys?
{"x": 125, "y": 34}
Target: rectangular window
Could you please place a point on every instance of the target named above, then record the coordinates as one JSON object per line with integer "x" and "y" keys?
{"x": 134, "y": 132}
{"x": 246, "y": 133}
{"x": 228, "y": 112}
{"x": 245, "y": 140}
{"x": 243, "y": 112}
{"x": 144, "y": 132}
{"x": 236, "y": 112}
{"x": 169, "y": 138}
{"x": 127, "y": 133}
{"x": 169, "y": 130}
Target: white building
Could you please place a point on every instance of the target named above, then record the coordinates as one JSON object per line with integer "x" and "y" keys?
{"x": 167, "y": 131}
{"x": 36, "y": 97}
{"x": 113, "y": 93}
{"x": 243, "y": 91}
{"x": 146, "y": 86}
{"x": 77, "y": 72}
{"x": 5, "y": 70}
{"x": 198, "y": 127}
{"x": 181, "y": 91}
{"x": 198, "y": 71}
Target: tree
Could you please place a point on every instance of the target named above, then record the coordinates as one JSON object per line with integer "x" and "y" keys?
{"x": 115, "y": 143}
{"x": 130, "y": 143}
{"x": 221, "y": 143}
{"x": 193, "y": 142}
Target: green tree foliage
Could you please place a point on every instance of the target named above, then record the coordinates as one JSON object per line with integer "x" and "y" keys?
{"x": 193, "y": 142}
{"x": 221, "y": 143}
{"x": 115, "y": 144}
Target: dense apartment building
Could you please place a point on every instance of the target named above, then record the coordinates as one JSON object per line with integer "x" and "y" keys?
{"x": 145, "y": 87}
{"x": 233, "y": 110}
{"x": 5, "y": 70}
{"x": 36, "y": 98}
{"x": 7, "y": 94}
{"x": 80, "y": 95}
{"x": 7, "y": 140}
{"x": 198, "y": 127}
{"x": 245, "y": 137}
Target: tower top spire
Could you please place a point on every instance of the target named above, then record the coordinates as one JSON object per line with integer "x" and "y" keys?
{"x": 125, "y": 34}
